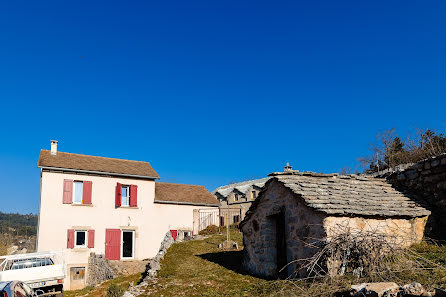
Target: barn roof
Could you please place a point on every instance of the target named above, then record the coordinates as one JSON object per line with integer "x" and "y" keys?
{"x": 348, "y": 195}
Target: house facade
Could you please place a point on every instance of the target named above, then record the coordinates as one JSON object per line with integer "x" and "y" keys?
{"x": 297, "y": 211}
{"x": 235, "y": 199}
{"x": 108, "y": 206}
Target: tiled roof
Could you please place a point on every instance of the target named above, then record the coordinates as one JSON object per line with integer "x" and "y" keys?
{"x": 96, "y": 164}
{"x": 184, "y": 194}
{"x": 242, "y": 187}
{"x": 348, "y": 195}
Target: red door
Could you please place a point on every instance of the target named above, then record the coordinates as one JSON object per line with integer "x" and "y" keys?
{"x": 113, "y": 244}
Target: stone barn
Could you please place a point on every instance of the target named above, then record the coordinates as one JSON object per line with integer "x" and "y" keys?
{"x": 297, "y": 209}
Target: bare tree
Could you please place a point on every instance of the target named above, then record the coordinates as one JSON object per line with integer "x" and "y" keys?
{"x": 389, "y": 150}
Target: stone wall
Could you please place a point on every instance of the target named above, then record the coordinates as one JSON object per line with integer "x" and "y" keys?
{"x": 426, "y": 180}
{"x": 402, "y": 232}
{"x": 99, "y": 270}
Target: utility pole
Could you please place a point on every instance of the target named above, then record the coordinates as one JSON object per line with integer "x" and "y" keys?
{"x": 227, "y": 229}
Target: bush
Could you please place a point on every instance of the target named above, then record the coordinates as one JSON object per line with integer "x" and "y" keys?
{"x": 212, "y": 229}
{"x": 114, "y": 291}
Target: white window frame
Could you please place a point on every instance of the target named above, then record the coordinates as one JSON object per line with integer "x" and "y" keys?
{"x": 128, "y": 196}
{"x": 74, "y": 192}
{"x": 122, "y": 244}
{"x": 75, "y": 239}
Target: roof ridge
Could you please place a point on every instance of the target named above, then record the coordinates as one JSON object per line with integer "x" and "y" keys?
{"x": 243, "y": 182}
{"x": 158, "y": 182}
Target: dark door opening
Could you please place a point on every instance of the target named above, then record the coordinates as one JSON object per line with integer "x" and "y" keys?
{"x": 281, "y": 256}
{"x": 127, "y": 244}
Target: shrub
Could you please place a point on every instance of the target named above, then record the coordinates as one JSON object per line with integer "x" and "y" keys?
{"x": 212, "y": 229}
{"x": 114, "y": 291}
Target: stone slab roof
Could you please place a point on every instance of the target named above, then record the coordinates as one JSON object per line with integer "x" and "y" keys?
{"x": 242, "y": 187}
{"x": 183, "y": 194}
{"x": 348, "y": 195}
{"x": 86, "y": 163}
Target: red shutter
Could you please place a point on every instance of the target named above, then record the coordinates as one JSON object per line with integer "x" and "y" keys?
{"x": 70, "y": 239}
{"x": 90, "y": 239}
{"x": 113, "y": 244}
{"x": 86, "y": 192}
{"x": 174, "y": 234}
{"x": 67, "y": 191}
{"x": 133, "y": 196}
{"x": 118, "y": 195}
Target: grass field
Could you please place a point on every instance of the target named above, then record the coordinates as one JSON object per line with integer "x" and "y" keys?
{"x": 199, "y": 268}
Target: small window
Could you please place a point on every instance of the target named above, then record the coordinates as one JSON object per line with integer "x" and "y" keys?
{"x": 77, "y": 193}
{"x": 254, "y": 194}
{"x": 80, "y": 239}
{"x": 236, "y": 219}
{"x": 125, "y": 196}
{"x": 236, "y": 197}
{"x": 77, "y": 273}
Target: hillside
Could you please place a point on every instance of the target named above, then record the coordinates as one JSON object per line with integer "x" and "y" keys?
{"x": 18, "y": 224}
{"x": 17, "y": 233}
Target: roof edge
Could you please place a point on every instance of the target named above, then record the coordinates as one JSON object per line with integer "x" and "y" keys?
{"x": 185, "y": 203}
{"x": 97, "y": 172}
{"x": 166, "y": 183}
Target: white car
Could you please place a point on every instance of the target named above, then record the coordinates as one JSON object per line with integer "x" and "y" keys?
{"x": 41, "y": 271}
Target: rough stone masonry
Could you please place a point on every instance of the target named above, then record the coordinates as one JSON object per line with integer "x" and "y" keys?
{"x": 426, "y": 181}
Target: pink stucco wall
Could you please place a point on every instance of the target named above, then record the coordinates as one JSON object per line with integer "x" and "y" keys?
{"x": 149, "y": 220}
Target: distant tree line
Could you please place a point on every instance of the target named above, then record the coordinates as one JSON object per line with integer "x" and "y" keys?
{"x": 18, "y": 224}
{"x": 390, "y": 150}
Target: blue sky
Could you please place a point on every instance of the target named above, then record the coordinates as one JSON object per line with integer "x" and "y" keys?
{"x": 213, "y": 91}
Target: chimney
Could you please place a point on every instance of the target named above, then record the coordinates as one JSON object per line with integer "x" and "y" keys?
{"x": 287, "y": 168}
{"x": 53, "y": 147}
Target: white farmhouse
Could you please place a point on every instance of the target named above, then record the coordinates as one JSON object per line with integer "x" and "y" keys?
{"x": 108, "y": 206}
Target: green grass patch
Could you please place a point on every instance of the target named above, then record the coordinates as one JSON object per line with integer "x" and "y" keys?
{"x": 119, "y": 284}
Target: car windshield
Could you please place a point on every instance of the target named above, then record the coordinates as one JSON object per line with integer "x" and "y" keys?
{"x": 31, "y": 262}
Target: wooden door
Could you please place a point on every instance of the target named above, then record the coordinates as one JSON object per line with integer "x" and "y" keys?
{"x": 113, "y": 244}
{"x": 281, "y": 253}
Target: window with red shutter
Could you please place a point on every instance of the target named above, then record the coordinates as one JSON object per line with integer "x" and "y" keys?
{"x": 91, "y": 239}
{"x": 70, "y": 239}
{"x": 118, "y": 195}
{"x": 67, "y": 191}
{"x": 133, "y": 195}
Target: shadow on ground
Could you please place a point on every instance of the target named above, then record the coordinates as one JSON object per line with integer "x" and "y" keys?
{"x": 231, "y": 260}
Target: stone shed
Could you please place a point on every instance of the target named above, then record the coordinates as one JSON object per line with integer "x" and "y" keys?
{"x": 296, "y": 210}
